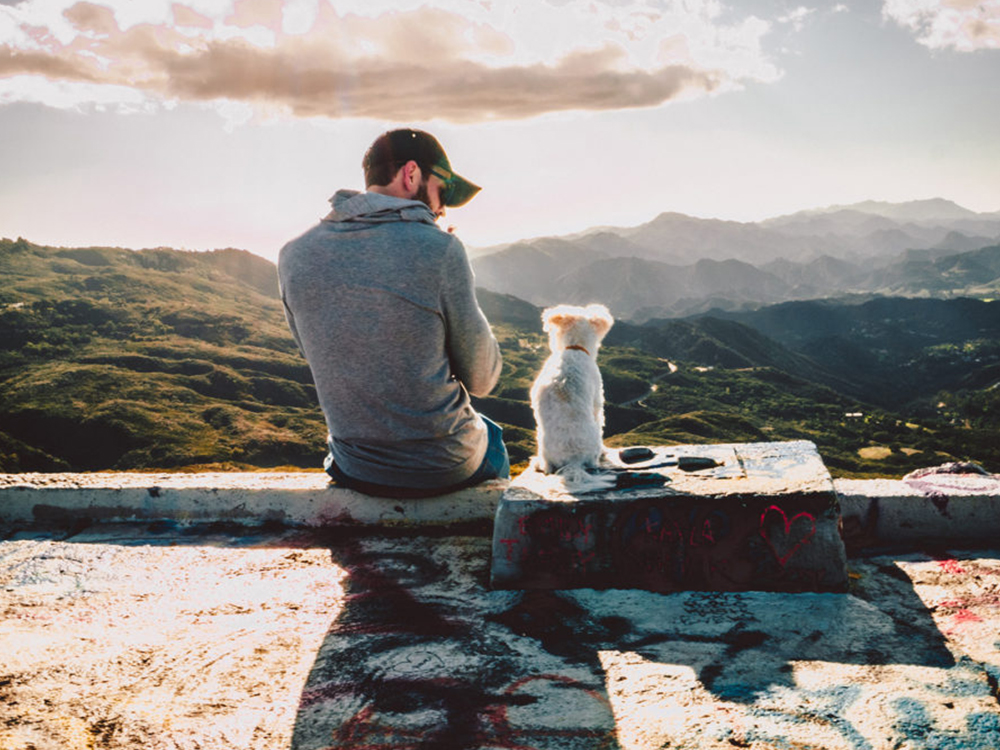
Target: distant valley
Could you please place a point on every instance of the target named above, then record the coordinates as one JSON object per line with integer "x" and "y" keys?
{"x": 677, "y": 265}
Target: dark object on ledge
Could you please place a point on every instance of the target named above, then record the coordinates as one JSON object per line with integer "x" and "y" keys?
{"x": 639, "y": 479}
{"x": 635, "y": 455}
{"x": 696, "y": 463}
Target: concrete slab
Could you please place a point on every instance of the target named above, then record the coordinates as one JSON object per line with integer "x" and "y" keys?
{"x": 127, "y": 637}
{"x": 951, "y": 509}
{"x": 307, "y": 498}
{"x": 760, "y": 516}
{"x": 126, "y": 640}
{"x": 942, "y": 508}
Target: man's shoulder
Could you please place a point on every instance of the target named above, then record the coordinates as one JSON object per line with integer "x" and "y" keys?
{"x": 418, "y": 245}
{"x": 428, "y": 238}
{"x": 294, "y": 248}
{"x": 420, "y": 240}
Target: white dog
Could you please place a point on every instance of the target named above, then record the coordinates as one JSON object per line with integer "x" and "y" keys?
{"x": 568, "y": 394}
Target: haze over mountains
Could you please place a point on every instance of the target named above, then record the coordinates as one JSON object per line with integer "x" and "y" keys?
{"x": 679, "y": 265}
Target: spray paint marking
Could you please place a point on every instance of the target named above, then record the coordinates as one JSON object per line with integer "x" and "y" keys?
{"x": 791, "y": 543}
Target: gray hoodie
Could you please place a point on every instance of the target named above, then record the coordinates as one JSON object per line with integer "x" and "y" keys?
{"x": 383, "y": 306}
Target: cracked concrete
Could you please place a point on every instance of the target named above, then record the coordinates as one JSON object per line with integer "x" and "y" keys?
{"x": 161, "y": 635}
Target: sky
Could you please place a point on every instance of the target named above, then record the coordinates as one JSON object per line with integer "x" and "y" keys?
{"x": 203, "y": 124}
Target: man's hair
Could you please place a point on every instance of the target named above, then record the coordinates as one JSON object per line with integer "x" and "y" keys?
{"x": 393, "y": 149}
{"x": 384, "y": 172}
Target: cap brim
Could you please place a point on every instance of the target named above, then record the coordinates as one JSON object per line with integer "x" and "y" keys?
{"x": 462, "y": 191}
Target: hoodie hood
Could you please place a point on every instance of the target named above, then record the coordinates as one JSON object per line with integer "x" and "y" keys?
{"x": 375, "y": 208}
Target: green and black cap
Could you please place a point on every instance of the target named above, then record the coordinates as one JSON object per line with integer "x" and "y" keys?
{"x": 396, "y": 147}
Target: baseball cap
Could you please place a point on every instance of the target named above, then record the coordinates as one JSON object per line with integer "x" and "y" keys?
{"x": 400, "y": 146}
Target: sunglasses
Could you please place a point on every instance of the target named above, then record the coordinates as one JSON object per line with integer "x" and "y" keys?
{"x": 450, "y": 183}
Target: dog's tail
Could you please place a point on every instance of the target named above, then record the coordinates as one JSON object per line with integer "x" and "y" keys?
{"x": 578, "y": 479}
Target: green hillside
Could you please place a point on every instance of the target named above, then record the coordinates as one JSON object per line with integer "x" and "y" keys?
{"x": 111, "y": 358}
{"x": 163, "y": 359}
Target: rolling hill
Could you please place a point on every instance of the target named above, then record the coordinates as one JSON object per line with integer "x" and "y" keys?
{"x": 163, "y": 359}
{"x": 111, "y": 358}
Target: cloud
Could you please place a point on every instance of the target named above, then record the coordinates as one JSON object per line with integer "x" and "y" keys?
{"x": 964, "y": 25}
{"x": 797, "y": 17}
{"x": 407, "y": 90}
{"x": 460, "y": 60}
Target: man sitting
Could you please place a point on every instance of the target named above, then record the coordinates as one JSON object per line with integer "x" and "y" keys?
{"x": 382, "y": 304}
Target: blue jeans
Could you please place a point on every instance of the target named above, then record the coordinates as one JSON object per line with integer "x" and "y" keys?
{"x": 495, "y": 465}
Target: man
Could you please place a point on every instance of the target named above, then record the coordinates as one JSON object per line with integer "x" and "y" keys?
{"x": 382, "y": 304}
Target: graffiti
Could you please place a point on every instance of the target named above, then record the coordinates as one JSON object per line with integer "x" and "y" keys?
{"x": 940, "y": 482}
{"x": 567, "y": 529}
{"x": 707, "y": 531}
{"x": 663, "y": 544}
{"x": 952, "y": 566}
{"x": 708, "y": 546}
{"x": 913, "y": 721}
{"x": 974, "y": 568}
{"x": 965, "y": 608}
{"x": 922, "y": 731}
{"x": 791, "y": 544}
{"x": 558, "y": 541}
{"x": 653, "y": 541}
{"x": 486, "y": 721}
{"x": 829, "y": 706}
{"x": 407, "y": 666}
{"x": 424, "y": 657}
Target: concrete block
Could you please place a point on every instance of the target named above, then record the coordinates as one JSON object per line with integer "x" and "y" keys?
{"x": 295, "y": 498}
{"x": 952, "y": 509}
{"x": 760, "y": 516}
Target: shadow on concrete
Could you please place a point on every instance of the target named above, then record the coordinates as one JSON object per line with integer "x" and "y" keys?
{"x": 424, "y": 655}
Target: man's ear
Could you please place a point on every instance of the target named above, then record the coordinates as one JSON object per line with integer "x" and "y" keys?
{"x": 411, "y": 176}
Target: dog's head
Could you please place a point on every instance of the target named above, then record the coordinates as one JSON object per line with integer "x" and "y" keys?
{"x": 568, "y": 325}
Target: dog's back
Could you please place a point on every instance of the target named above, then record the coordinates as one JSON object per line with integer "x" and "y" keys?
{"x": 568, "y": 401}
{"x": 568, "y": 394}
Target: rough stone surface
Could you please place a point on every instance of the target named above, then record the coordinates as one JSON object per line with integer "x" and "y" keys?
{"x": 165, "y": 636}
{"x": 765, "y": 517}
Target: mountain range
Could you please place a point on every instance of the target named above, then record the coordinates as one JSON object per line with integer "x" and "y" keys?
{"x": 163, "y": 359}
{"x": 678, "y": 265}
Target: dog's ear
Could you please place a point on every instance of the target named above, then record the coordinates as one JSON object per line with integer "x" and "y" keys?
{"x": 556, "y": 317}
{"x": 600, "y": 319}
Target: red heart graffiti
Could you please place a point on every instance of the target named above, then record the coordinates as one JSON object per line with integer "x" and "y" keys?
{"x": 782, "y": 559}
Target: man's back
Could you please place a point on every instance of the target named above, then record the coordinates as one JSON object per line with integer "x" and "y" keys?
{"x": 382, "y": 304}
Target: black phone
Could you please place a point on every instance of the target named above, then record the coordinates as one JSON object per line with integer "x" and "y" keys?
{"x": 635, "y": 455}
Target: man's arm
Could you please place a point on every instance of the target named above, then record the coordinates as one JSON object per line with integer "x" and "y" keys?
{"x": 290, "y": 319}
{"x": 472, "y": 347}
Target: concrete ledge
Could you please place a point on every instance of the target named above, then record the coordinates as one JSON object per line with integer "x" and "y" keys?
{"x": 302, "y": 498}
{"x": 955, "y": 509}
